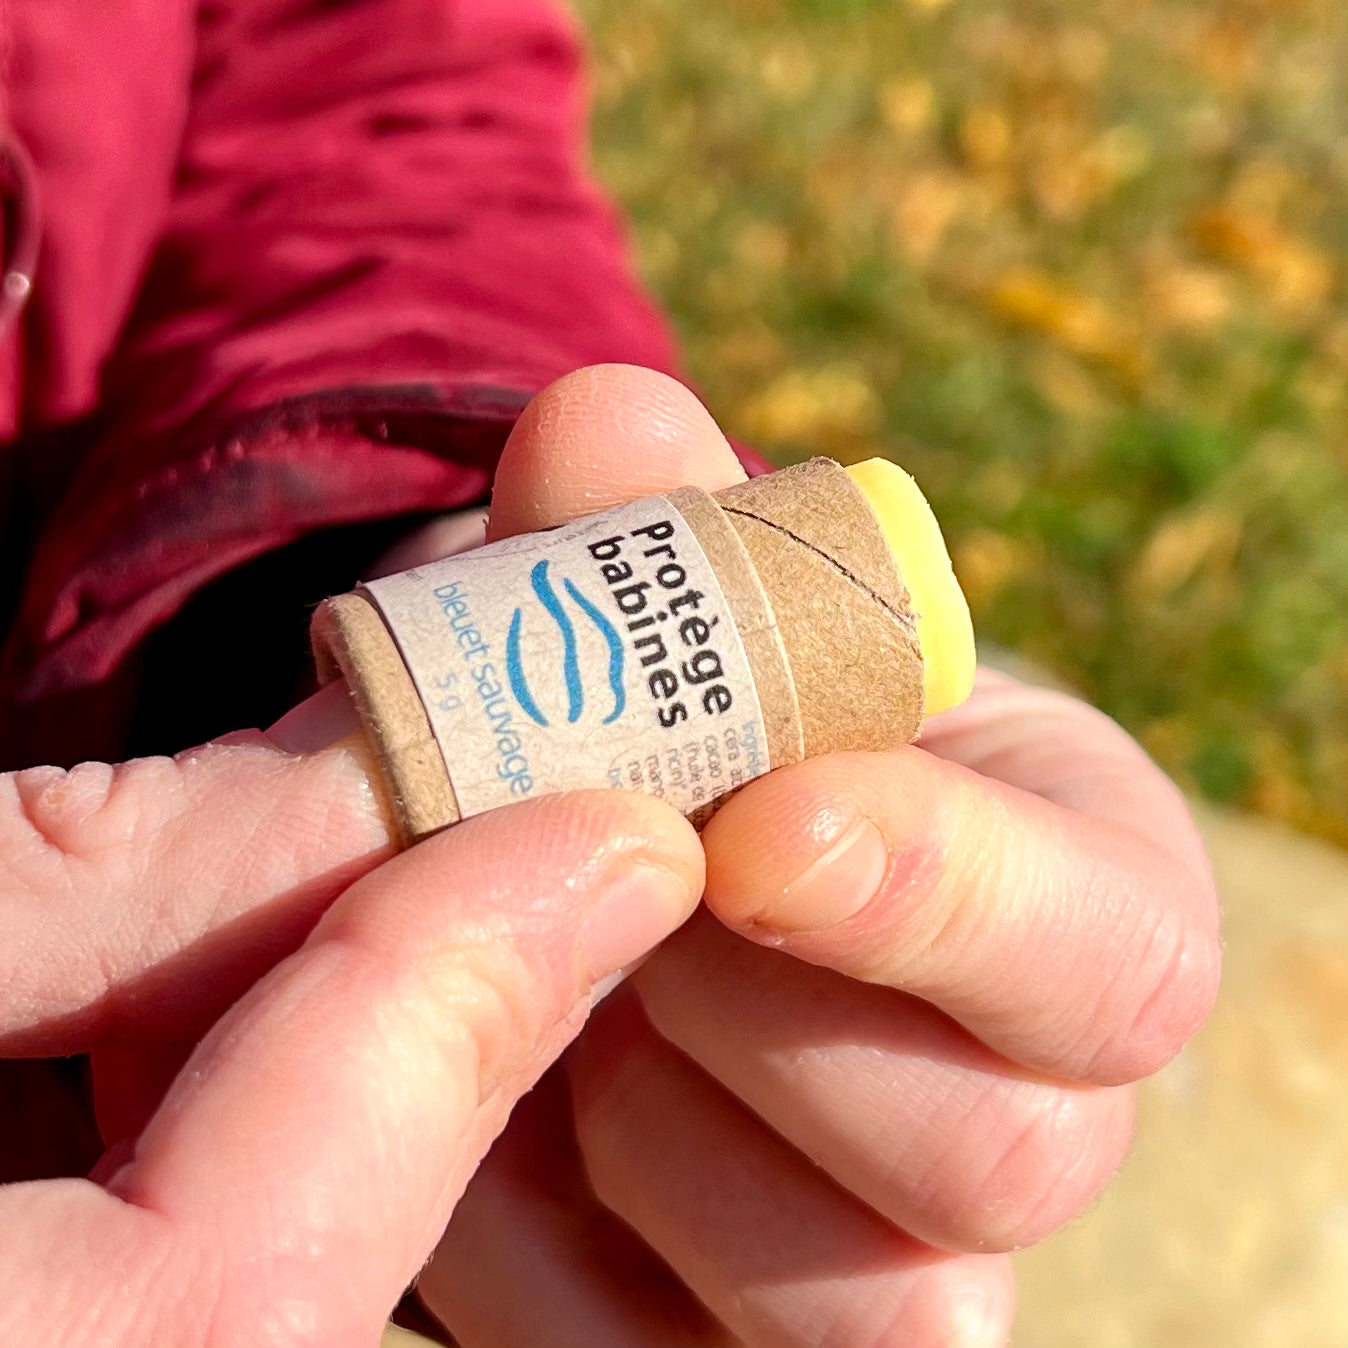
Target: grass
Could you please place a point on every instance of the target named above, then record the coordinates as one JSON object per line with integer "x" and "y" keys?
{"x": 1079, "y": 266}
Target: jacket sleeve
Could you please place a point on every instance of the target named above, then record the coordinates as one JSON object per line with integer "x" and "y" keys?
{"x": 380, "y": 241}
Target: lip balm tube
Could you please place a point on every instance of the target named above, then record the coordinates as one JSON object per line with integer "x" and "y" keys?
{"x": 680, "y": 645}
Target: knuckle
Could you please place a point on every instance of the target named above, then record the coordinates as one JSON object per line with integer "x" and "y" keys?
{"x": 967, "y": 1302}
{"x": 94, "y": 811}
{"x": 480, "y": 1003}
{"x": 963, "y": 862}
{"x": 1169, "y": 994}
{"x": 1183, "y": 997}
{"x": 600, "y": 1121}
{"x": 56, "y": 803}
{"x": 607, "y": 1078}
{"x": 1055, "y": 1151}
{"x": 477, "y": 1013}
{"x": 66, "y": 838}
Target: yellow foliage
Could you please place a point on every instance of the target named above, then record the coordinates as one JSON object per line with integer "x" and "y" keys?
{"x": 763, "y": 246}
{"x": 750, "y": 349}
{"x": 985, "y": 561}
{"x": 819, "y": 407}
{"x": 789, "y": 71}
{"x": 1295, "y": 275}
{"x": 985, "y": 137}
{"x": 926, "y": 206}
{"x": 1203, "y": 539}
{"x": 1082, "y": 52}
{"x": 908, "y": 105}
{"x": 1187, "y": 298}
{"x": 1074, "y": 320}
{"x": 1068, "y": 385}
{"x": 1170, "y": 739}
{"x": 1277, "y": 791}
{"x": 1225, "y": 52}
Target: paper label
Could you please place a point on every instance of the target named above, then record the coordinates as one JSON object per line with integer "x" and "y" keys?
{"x": 602, "y": 653}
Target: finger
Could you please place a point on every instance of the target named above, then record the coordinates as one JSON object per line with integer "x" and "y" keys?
{"x": 774, "y": 1249}
{"x": 442, "y": 537}
{"x": 599, "y": 437}
{"x": 1058, "y": 747}
{"x": 531, "y": 1257}
{"x": 896, "y": 1102}
{"x": 155, "y": 891}
{"x": 1060, "y": 938}
{"x": 308, "y": 1156}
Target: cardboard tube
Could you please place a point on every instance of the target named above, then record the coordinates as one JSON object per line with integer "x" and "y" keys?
{"x": 842, "y": 613}
{"x": 822, "y": 652}
{"x": 352, "y": 641}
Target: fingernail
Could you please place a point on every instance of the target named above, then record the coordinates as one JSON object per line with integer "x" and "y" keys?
{"x": 976, "y": 1321}
{"x": 318, "y": 721}
{"x": 638, "y": 907}
{"x": 836, "y": 885}
{"x": 612, "y": 982}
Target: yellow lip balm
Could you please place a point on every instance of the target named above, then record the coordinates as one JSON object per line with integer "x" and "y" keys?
{"x": 944, "y": 629}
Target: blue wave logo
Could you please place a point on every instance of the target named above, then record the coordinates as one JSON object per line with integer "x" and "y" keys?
{"x": 541, "y": 583}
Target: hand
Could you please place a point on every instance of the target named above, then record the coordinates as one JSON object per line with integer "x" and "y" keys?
{"x": 897, "y": 1044}
{"x": 302, "y": 1165}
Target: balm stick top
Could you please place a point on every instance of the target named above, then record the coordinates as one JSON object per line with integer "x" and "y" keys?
{"x": 944, "y": 629}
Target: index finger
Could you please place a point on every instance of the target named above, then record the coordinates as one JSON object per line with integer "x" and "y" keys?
{"x": 1033, "y": 737}
{"x": 153, "y": 892}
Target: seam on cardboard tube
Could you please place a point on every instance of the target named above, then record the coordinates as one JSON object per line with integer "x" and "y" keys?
{"x": 904, "y": 620}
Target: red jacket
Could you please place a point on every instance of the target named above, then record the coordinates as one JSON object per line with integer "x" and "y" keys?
{"x": 302, "y": 262}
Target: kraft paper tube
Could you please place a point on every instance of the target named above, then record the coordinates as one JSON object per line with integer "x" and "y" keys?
{"x": 826, "y": 644}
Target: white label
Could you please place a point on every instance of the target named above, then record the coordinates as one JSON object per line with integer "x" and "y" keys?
{"x": 602, "y": 653}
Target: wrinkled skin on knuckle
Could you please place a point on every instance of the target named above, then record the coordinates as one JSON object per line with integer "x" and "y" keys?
{"x": 479, "y": 1008}
{"x": 471, "y": 998}
{"x": 1033, "y": 1161}
{"x": 1181, "y": 987}
{"x": 952, "y": 1303}
{"x": 957, "y": 1305}
{"x": 61, "y": 831}
{"x": 68, "y": 842}
{"x": 1153, "y": 1003}
{"x": 107, "y": 871}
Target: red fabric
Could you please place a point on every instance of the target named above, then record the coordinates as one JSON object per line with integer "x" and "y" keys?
{"x": 304, "y": 261}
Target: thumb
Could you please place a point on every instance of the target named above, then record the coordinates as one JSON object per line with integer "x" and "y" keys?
{"x": 604, "y": 435}
{"x": 308, "y": 1157}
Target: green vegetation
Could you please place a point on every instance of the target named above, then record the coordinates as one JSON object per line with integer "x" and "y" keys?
{"x": 1077, "y": 265}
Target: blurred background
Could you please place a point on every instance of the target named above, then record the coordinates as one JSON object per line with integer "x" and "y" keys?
{"x": 1080, "y": 266}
